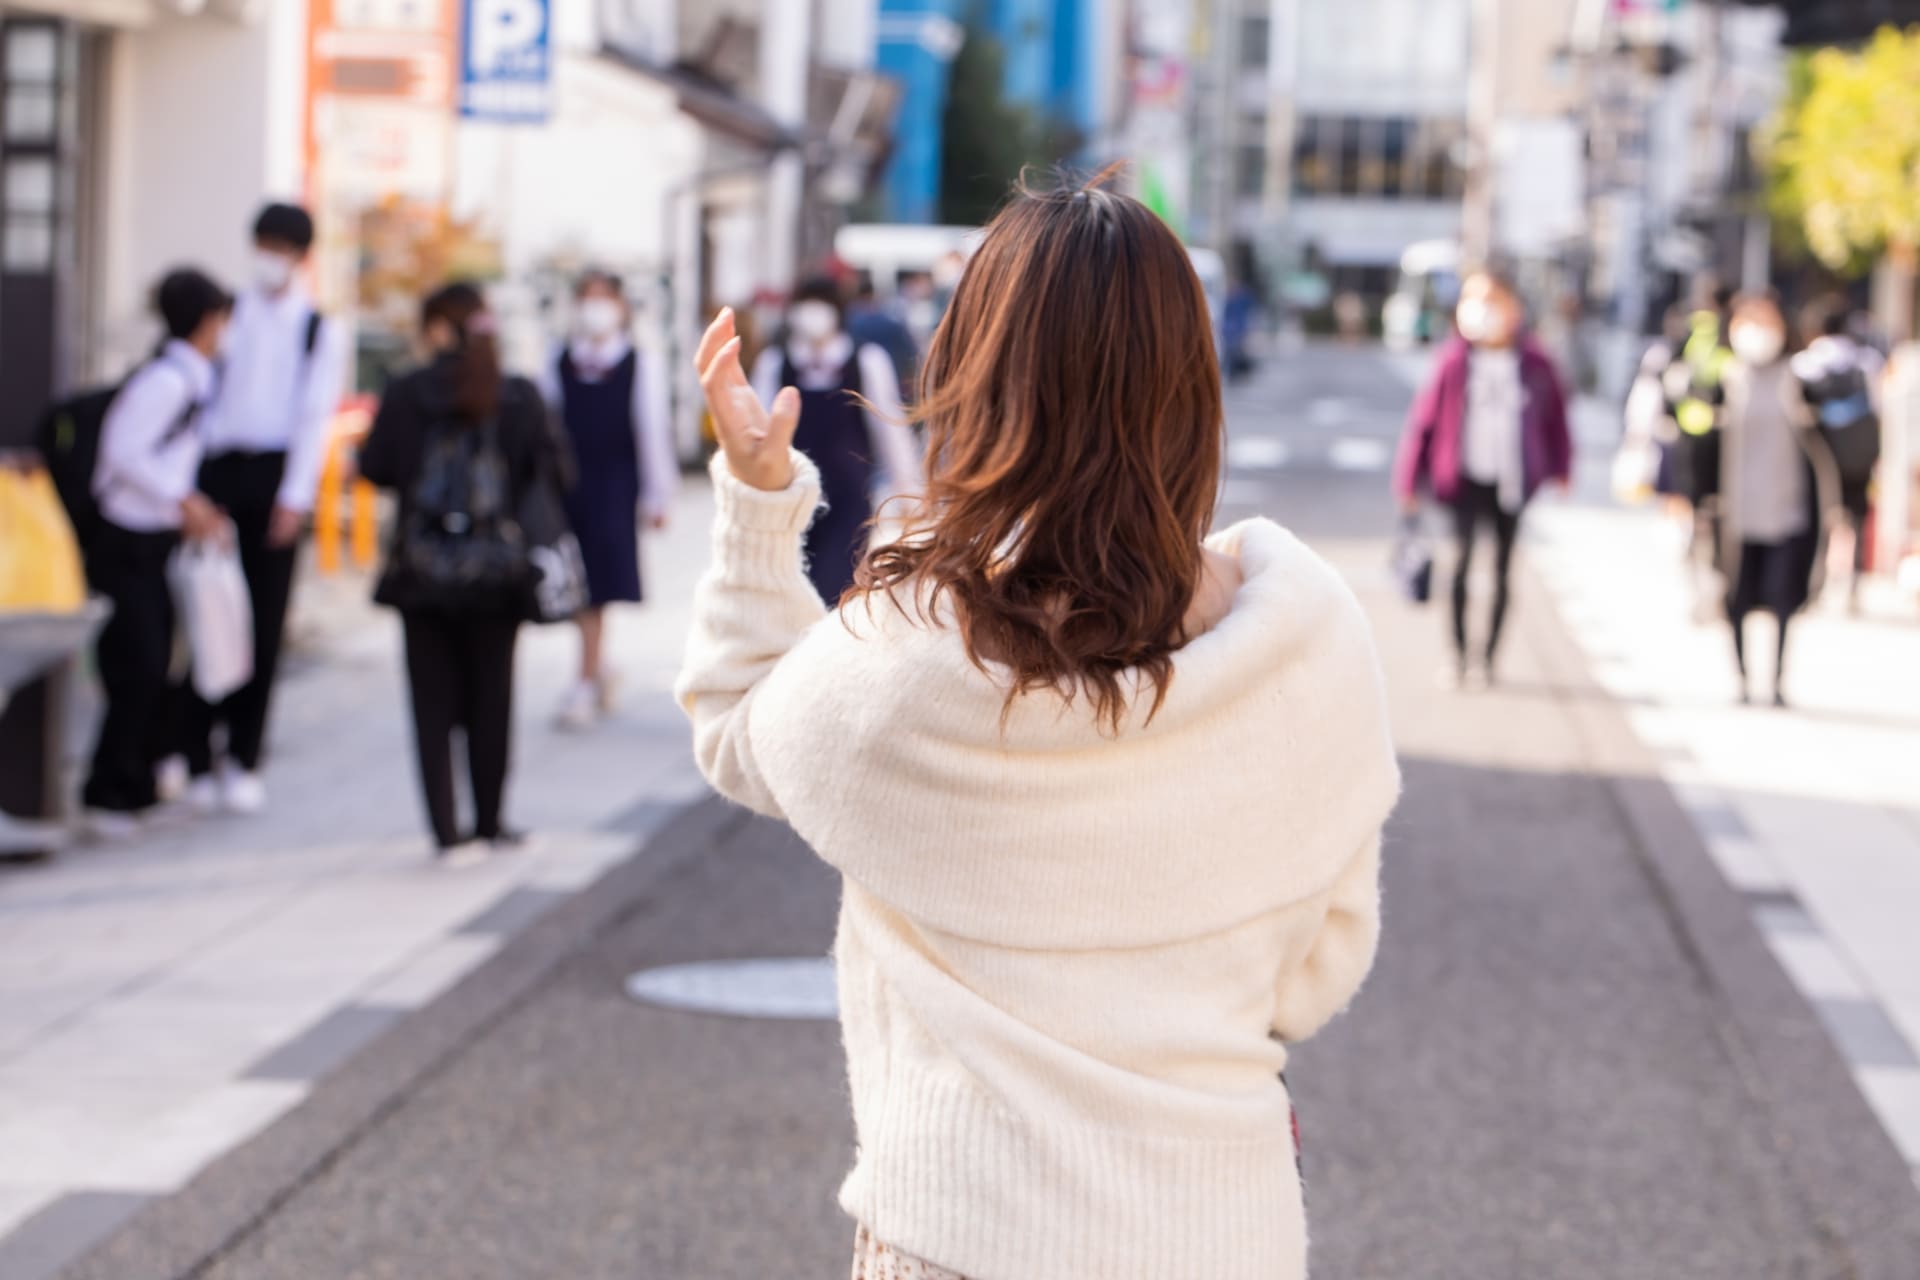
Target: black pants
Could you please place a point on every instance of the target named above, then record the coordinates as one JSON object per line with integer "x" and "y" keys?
{"x": 133, "y": 653}
{"x": 1474, "y": 505}
{"x": 1854, "y": 500}
{"x": 245, "y": 484}
{"x": 461, "y": 673}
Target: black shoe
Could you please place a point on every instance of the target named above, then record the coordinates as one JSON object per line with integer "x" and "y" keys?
{"x": 1779, "y": 700}
{"x": 505, "y": 840}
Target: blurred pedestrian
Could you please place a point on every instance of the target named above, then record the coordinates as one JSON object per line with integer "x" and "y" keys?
{"x": 1841, "y": 377}
{"x": 1487, "y": 430}
{"x": 282, "y": 373}
{"x": 852, "y": 427}
{"x": 611, "y": 398}
{"x": 145, "y": 482}
{"x": 1645, "y": 463}
{"x": 1106, "y": 794}
{"x": 871, "y": 321}
{"x": 1778, "y": 482}
{"x": 461, "y": 445}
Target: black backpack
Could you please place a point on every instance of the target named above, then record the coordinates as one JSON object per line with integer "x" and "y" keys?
{"x": 460, "y": 548}
{"x": 68, "y": 438}
{"x": 1842, "y": 401}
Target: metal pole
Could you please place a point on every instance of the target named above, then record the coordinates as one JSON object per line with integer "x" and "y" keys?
{"x": 1483, "y": 110}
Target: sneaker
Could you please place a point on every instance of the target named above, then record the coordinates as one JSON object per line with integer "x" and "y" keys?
{"x": 507, "y": 840}
{"x": 580, "y": 708}
{"x": 607, "y": 689}
{"x": 463, "y": 857}
{"x": 1451, "y": 678}
{"x": 171, "y": 779}
{"x": 112, "y": 825}
{"x": 242, "y": 791}
{"x": 203, "y": 795}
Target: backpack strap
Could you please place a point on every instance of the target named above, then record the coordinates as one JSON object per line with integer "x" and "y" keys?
{"x": 312, "y": 340}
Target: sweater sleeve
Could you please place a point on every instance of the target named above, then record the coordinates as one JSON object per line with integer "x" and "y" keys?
{"x": 754, "y": 605}
{"x": 1310, "y": 992}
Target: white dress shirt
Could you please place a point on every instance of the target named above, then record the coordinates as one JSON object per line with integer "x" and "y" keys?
{"x": 142, "y": 476}
{"x": 273, "y": 396}
{"x": 894, "y": 447}
{"x": 594, "y": 359}
{"x": 1495, "y": 401}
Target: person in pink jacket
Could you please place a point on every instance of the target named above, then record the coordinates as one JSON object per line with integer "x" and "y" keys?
{"x": 1488, "y": 429}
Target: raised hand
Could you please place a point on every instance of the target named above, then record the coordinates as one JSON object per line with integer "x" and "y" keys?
{"x": 756, "y": 438}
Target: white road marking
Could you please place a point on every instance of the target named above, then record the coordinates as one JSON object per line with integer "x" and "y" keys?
{"x": 1257, "y": 453}
{"x": 1357, "y": 453}
{"x": 788, "y": 988}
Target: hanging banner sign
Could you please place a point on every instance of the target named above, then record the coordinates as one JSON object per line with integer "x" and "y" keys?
{"x": 506, "y": 61}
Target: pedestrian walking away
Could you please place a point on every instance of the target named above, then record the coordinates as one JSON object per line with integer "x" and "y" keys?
{"x": 611, "y": 398}
{"x": 1841, "y": 379}
{"x": 1073, "y": 759}
{"x": 462, "y": 446}
{"x": 266, "y": 435}
{"x": 145, "y": 485}
{"x": 1487, "y": 430}
{"x": 852, "y": 427}
{"x": 869, "y": 320}
{"x": 1779, "y": 486}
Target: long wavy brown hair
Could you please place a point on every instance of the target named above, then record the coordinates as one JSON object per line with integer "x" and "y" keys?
{"x": 1071, "y": 399}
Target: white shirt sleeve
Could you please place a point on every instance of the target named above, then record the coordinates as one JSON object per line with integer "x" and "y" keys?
{"x": 894, "y": 447}
{"x": 134, "y": 462}
{"x": 653, "y": 430}
{"x": 323, "y": 378}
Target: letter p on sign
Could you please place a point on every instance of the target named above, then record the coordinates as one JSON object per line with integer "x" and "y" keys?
{"x": 501, "y": 28}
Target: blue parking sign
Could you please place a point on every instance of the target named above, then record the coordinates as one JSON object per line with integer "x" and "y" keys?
{"x": 506, "y": 62}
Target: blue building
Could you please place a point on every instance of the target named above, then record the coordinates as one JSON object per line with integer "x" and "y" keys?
{"x": 1051, "y": 51}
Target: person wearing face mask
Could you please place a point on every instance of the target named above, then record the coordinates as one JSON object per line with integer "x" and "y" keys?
{"x": 611, "y": 398}
{"x": 1778, "y": 484}
{"x": 282, "y": 373}
{"x": 144, "y": 482}
{"x": 1485, "y": 433}
{"x": 851, "y": 426}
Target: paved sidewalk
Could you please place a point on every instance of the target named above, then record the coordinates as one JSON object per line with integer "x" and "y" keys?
{"x": 1814, "y": 812}
{"x": 164, "y": 1000}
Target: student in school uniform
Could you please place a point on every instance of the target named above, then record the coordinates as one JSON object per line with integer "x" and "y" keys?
{"x": 145, "y": 483}
{"x": 265, "y": 440}
{"x": 851, "y": 426}
{"x": 610, "y": 396}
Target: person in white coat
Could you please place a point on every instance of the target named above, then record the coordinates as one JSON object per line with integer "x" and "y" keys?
{"x": 610, "y": 396}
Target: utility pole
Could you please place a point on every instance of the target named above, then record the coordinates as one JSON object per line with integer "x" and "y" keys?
{"x": 1283, "y": 112}
{"x": 1483, "y": 116}
{"x": 786, "y": 58}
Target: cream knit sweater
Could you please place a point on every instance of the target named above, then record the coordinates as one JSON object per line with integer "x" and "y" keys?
{"x": 1067, "y": 961}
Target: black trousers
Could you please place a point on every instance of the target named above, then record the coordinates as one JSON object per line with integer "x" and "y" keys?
{"x": 1474, "y": 505}
{"x": 1855, "y": 501}
{"x": 460, "y": 670}
{"x": 245, "y": 484}
{"x": 133, "y": 654}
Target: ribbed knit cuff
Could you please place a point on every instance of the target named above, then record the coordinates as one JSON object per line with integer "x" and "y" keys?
{"x": 756, "y": 533}
{"x": 788, "y": 510}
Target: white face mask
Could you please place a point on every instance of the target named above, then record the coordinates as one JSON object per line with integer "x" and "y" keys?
{"x": 601, "y": 317}
{"x": 813, "y": 321}
{"x": 272, "y": 271}
{"x": 1758, "y": 344}
{"x": 1473, "y": 317}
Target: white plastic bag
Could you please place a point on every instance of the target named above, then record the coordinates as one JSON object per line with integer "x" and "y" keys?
{"x": 210, "y": 596}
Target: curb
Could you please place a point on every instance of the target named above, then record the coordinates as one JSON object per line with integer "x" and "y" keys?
{"x": 1852, "y": 1179}
{"x": 179, "y": 1236}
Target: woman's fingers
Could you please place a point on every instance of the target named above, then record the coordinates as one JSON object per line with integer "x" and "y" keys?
{"x": 713, "y": 339}
{"x": 785, "y": 418}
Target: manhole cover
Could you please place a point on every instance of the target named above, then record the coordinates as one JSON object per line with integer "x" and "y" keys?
{"x": 793, "y": 988}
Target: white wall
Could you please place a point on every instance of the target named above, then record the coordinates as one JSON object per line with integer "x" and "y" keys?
{"x": 197, "y": 128}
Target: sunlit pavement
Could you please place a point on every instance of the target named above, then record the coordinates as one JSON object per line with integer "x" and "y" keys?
{"x": 1584, "y": 1053}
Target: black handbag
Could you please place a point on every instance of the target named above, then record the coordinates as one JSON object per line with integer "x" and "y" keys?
{"x": 558, "y": 589}
{"x": 460, "y": 548}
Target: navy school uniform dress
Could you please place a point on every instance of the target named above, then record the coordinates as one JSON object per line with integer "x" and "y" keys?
{"x": 598, "y": 415}
{"x": 833, "y": 434}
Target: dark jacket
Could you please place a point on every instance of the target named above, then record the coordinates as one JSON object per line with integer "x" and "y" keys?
{"x": 417, "y": 402}
{"x": 1432, "y": 450}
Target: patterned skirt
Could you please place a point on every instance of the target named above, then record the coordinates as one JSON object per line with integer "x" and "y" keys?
{"x": 875, "y": 1261}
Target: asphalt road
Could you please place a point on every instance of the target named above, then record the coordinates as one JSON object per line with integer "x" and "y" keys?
{"x": 1557, "y": 1069}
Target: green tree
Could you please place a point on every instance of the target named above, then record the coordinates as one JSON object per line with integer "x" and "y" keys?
{"x": 1843, "y": 154}
{"x": 987, "y": 139}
